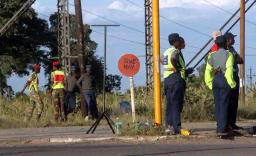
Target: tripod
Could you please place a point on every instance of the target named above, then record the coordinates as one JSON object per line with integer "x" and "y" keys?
{"x": 104, "y": 113}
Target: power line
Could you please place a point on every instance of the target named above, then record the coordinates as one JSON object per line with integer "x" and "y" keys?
{"x": 120, "y": 38}
{"x": 110, "y": 20}
{"x": 123, "y": 39}
{"x": 128, "y": 27}
{"x": 172, "y": 21}
{"x": 142, "y": 32}
{"x": 226, "y": 11}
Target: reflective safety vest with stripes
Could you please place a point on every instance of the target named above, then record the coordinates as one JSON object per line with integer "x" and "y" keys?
{"x": 221, "y": 61}
{"x": 33, "y": 85}
{"x": 168, "y": 66}
{"x": 58, "y": 77}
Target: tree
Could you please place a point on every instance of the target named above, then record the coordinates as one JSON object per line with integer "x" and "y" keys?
{"x": 22, "y": 44}
{"x": 91, "y": 59}
{"x": 113, "y": 82}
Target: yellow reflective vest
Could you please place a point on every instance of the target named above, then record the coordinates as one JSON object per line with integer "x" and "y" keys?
{"x": 58, "y": 78}
{"x": 34, "y": 82}
{"x": 228, "y": 72}
{"x": 168, "y": 66}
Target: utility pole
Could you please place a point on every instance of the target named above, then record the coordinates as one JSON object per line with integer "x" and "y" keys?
{"x": 80, "y": 48}
{"x": 250, "y": 76}
{"x": 80, "y": 34}
{"x": 242, "y": 50}
{"x": 148, "y": 45}
{"x": 156, "y": 58}
{"x": 64, "y": 35}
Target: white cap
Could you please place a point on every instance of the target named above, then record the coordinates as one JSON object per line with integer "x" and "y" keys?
{"x": 215, "y": 34}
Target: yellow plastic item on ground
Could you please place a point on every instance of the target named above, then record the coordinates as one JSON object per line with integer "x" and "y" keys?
{"x": 184, "y": 132}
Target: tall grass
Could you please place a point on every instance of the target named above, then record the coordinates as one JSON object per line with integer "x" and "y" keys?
{"x": 198, "y": 106}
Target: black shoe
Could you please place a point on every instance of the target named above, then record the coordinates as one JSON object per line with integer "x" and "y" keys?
{"x": 235, "y": 127}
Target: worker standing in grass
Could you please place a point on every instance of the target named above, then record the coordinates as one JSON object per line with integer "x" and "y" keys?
{"x": 36, "y": 102}
{"x": 70, "y": 96}
{"x": 232, "y": 110}
{"x": 219, "y": 78}
{"x": 58, "y": 85}
{"x": 174, "y": 82}
{"x": 88, "y": 91}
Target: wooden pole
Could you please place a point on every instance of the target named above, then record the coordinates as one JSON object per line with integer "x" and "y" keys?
{"x": 242, "y": 50}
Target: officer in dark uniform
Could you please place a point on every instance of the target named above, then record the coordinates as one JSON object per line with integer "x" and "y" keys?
{"x": 174, "y": 82}
{"x": 219, "y": 78}
{"x": 233, "y": 105}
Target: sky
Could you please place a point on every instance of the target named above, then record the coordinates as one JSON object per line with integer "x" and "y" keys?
{"x": 194, "y": 20}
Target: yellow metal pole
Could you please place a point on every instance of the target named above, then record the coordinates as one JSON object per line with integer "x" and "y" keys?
{"x": 156, "y": 57}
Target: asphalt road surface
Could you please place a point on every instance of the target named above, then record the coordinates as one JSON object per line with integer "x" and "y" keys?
{"x": 131, "y": 150}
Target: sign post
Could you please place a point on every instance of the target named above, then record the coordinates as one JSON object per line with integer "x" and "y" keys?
{"x": 132, "y": 98}
{"x": 129, "y": 65}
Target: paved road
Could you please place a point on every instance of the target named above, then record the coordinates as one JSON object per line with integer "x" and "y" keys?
{"x": 131, "y": 150}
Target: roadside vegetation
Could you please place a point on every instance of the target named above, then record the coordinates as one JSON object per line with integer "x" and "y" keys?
{"x": 198, "y": 106}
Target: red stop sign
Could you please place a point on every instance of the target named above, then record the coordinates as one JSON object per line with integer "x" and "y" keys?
{"x": 129, "y": 65}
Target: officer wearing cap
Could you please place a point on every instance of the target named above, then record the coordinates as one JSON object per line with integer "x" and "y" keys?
{"x": 174, "y": 82}
{"x": 232, "y": 110}
{"x": 34, "y": 97}
{"x": 58, "y": 85}
{"x": 219, "y": 78}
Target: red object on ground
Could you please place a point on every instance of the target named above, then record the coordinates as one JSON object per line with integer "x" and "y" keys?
{"x": 129, "y": 65}
{"x": 214, "y": 48}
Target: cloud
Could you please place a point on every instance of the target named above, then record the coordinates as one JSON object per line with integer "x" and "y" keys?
{"x": 43, "y": 8}
{"x": 121, "y": 6}
{"x": 193, "y": 3}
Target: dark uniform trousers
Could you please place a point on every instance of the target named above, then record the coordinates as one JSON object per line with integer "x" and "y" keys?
{"x": 174, "y": 87}
{"x": 233, "y": 105}
{"x": 221, "y": 93}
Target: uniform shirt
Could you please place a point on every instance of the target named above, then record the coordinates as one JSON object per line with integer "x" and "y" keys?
{"x": 86, "y": 80}
{"x": 71, "y": 83}
{"x": 173, "y": 61}
{"x": 34, "y": 82}
{"x": 221, "y": 60}
{"x": 58, "y": 79}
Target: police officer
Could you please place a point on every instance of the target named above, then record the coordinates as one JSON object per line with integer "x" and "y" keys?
{"x": 34, "y": 97}
{"x": 174, "y": 82}
{"x": 58, "y": 85}
{"x": 219, "y": 78}
{"x": 232, "y": 110}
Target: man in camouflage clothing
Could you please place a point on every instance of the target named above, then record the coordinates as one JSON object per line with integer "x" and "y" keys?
{"x": 58, "y": 85}
{"x": 34, "y": 97}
